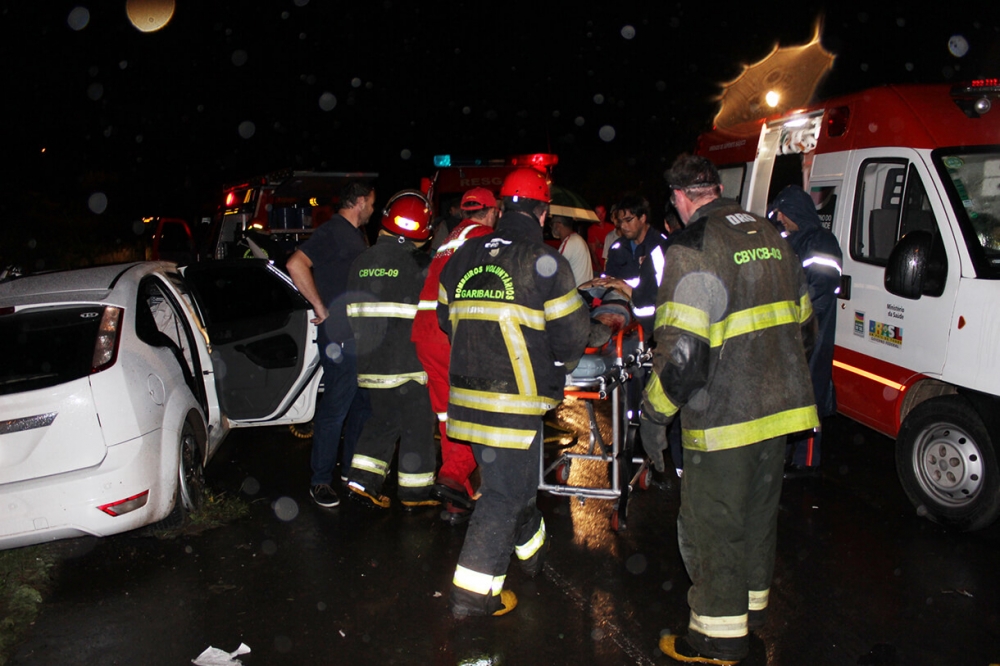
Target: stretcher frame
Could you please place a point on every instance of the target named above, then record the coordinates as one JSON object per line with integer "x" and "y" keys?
{"x": 626, "y": 469}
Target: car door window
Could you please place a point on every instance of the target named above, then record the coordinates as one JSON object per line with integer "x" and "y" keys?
{"x": 159, "y": 323}
{"x": 877, "y": 208}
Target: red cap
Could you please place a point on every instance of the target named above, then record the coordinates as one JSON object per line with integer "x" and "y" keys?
{"x": 478, "y": 198}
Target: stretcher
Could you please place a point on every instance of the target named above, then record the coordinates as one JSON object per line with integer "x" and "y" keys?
{"x": 608, "y": 373}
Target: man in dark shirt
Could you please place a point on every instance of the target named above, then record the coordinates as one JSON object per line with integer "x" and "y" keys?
{"x": 319, "y": 270}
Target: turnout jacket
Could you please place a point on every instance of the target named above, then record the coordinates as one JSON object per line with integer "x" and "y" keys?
{"x": 733, "y": 320}
{"x": 510, "y": 306}
{"x": 383, "y": 289}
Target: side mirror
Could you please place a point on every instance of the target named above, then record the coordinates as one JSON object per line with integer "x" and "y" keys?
{"x": 914, "y": 269}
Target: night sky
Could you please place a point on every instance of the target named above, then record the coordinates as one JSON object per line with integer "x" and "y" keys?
{"x": 158, "y": 122}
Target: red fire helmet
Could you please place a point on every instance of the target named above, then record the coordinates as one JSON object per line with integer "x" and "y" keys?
{"x": 526, "y": 183}
{"x": 408, "y": 214}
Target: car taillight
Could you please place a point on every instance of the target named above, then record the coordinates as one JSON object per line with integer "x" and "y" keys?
{"x": 121, "y": 507}
{"x": 106, "y": 345}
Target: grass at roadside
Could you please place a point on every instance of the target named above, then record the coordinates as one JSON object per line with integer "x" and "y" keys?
{"x": 218, "y": 509}
{"x": 24, "y": 578}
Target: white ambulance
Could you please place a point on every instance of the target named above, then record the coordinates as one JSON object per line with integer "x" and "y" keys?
{"x": 908, "y": 179}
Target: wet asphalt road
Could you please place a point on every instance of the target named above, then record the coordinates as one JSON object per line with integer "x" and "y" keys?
{"x": 860, "y": 579}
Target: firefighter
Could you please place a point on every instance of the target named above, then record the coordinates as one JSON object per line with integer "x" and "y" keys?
{"x": 383, "y": 289}
{"x": 733, "y": 321}
{"x": 509, "y": 304}
{"x": 479, "y": 208}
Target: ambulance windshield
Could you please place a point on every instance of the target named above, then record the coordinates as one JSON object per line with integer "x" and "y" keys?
{"x": 976, "y": 197}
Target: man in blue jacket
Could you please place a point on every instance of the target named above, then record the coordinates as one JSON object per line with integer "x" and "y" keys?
{"x": 794, "y": 213}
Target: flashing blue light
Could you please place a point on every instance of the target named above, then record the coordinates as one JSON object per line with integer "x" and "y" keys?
{"x": 442, "y": 160}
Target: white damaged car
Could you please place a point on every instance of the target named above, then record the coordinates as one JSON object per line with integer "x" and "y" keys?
{"x": 119, "y": 383}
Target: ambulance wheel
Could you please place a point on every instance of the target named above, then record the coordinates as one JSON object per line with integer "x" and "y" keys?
{"x": 947, "y": 464}
{"x": 562, "y": 473}
{"x": 645, "y": 479}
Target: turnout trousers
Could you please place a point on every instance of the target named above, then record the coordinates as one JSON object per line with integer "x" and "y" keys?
{"x": 506, "y": 520}
{"x": 457, "y": 461}
{"x": 727, "y": 533}
{"x": 402, "y": 413}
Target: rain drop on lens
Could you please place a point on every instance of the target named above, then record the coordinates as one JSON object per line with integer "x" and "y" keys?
{"x": 489, "y": 455}
{"x": 247, "y": 129}
{"x": 607, "y": 133}
{"x": 268, "y": 547}
{"x": 286, "y": 509}
{"x": 327, "y": 101}
{"x": 410, "y": 462}
{"x": 405, "y": 154}
{"x": 97, "y": 203}
{"x": 546, "y": 266}
{"x": 78, "y": 18}
{"x": 628, "y": 32}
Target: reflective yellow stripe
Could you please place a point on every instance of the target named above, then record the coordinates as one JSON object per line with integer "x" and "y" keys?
{"x": 373, "y": 309}
{"x": 684, "y": 317}
{"x": 869, "y": 375}
{"x": 526, "y": 550}
{"x": 751, "y": 432}
{"x": 416, "y": 480}
{"x": 755, "y": 319}
{"x": 477, "y": 583}
{"x": 458, "y": 242}
{"x": 726, "y": 626}
{"x": 503, "y": 438}
{"x": 391, "y": 381}
{"x": 424, "y": 306}
{"x": 758, "y": 599}
{"x": 805, "y": 308}
{"x": 442, "y": 294}
{"x": 497, "y": 311}
{"x": 562, "y": 306}
{"x": 503, "y": 403}
{"x": 658, "y": 399}
{"x": 367, "y": 464}
{"x": 511, "y": 318}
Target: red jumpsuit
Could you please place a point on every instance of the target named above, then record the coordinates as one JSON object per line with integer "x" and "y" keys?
{"x": 434, "y": 350}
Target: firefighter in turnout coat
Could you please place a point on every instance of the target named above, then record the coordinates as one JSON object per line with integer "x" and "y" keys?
{"x": 510, "y": 306}
{"x": 733, "y": 321}
{"x": 383, "y": 290}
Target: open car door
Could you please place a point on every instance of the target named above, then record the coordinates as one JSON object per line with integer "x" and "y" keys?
{"x": 264, "y": 357}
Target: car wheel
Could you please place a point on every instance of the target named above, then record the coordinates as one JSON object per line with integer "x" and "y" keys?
{"x": 190, "y": 494}
{"x": 947, "y": 465}
{"x": 191, "y": 490}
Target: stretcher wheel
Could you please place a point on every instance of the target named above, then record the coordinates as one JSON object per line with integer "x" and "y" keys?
{"x": 562, "y": 473}
{"x": 618, "y": 519}
{"x": 646, "y": 479}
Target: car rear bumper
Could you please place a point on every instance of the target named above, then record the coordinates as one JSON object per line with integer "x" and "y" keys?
{"x": 66, "y": 505}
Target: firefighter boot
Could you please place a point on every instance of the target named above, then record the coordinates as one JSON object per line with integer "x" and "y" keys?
{"x": 367, "y": 497}
{"x": 454, "y": 515}
{"x": 448, "y": 491}
{"x": 508, "y": 602}
{"x": 678, "y": 649}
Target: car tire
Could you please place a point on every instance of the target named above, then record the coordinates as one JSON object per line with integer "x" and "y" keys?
{"x": 947, "y": 464}
{"x": 191, "y": 486}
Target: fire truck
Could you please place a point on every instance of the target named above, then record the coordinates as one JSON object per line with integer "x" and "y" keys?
{"x": 908, "y": 180}
{"x": 268, "y": 216}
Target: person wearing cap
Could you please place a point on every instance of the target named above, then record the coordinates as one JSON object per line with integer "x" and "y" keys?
{"x": 510, "y": 306}
{"x": 453, "y": 488}
{"x": 733, "y": 323}
{"x": 574, "y": 248}
{"x": 383, "y": 290}
{"x": 794, "y": 213}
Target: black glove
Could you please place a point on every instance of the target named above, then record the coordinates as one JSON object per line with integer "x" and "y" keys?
{"x": 654, "y": 440}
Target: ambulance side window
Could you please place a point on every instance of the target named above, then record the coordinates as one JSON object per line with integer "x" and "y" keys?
{"x": 877, "y": 207}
